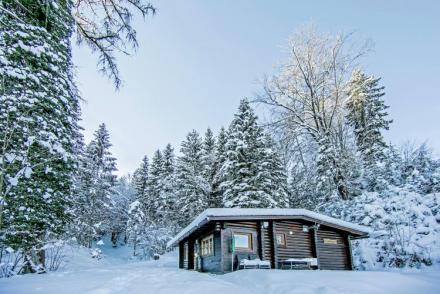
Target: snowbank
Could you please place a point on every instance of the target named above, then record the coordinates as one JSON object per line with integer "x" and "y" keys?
{"x": 164, "y": 277}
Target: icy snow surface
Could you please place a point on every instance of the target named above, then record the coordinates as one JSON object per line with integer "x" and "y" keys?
{"x": 114, "y": 273}
{"x": 218, "y": 212}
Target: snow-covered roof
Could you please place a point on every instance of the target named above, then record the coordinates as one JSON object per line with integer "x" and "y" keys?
{"x": 262, "y": 213}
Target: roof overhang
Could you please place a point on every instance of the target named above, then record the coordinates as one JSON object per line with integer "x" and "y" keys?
{"x": 241, "y": 214}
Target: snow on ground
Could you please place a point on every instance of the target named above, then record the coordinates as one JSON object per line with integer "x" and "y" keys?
{"x": 116, "y": 274}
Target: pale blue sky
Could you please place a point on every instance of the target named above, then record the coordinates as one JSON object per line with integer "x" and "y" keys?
{"x": 197, "y": 59}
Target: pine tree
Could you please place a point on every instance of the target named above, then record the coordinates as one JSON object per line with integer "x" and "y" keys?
{"x": 191, "y": 184}
{"x": 247, "y": 164}
{"x": 39, "y": 113}
{"x": 368, "y": 117}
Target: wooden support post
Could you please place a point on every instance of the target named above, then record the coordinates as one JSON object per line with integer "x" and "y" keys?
{"x": 181, "y": 254}
{"x": 350, "y": 253}
{"x": 316, "y": 243}
{"x": 222, "y": 248}
{"x": 274, "y": 244}
{"x": 260, "y": 236}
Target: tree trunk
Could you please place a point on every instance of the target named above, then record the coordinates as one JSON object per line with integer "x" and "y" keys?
{"x": 41, "y": 256}
{"x": 114, "y": 239}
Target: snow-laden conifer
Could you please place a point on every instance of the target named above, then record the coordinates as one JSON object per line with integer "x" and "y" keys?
{"x": 39, "y": 113}
{"x": 247, "y": 169}
{"x": 367, "y": 114}
{"x": 94, "y": 204}
{"x": 192, "y": 187}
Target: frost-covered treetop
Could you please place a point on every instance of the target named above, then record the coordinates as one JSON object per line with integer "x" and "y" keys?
{"x": 261, "y": 213}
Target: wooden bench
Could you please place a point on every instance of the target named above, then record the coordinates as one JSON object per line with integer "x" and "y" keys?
{"x": 299, "y": 263}
{"x": 251, "y": 261}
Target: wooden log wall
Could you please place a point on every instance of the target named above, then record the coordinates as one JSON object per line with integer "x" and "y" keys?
{"x": 266, "y": 241}
{"x": 333, "y": 249}
{"x": 299, "y": 244}
{"x": 244, "y": 227}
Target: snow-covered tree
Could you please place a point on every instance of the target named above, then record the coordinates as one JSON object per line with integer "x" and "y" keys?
{"x": 39, "y": 109}
{"x": 192, "y": 187}
{"x": 152, "y": 218}
{"x": 39, "y": 112}
{"x": 140, "y": 177}
{"x": 367, "y": 115}
{"x": 209, "y": 166}
{"x": 208, "y": 154}
{"x": 138, "y": 212}
{"x": 307, "y": 95}
{"x": 273, "y": 174}
{"x": 137, "y": 227}
{"x": 216, "y": 195}
{"x": 154, "y": 185}
{"x": 167, "y": 200}
{"x": 248, "y": 163}
{"x": 93, "y": 204}
{"x": 392, "y": 166}
{"x": 124, "y": 194}
{"x": 418, "y": 168}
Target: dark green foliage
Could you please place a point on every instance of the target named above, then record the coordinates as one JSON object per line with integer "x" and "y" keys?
{"x": 38, "y": 130}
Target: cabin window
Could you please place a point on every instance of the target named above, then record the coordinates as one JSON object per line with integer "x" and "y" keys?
{"x": 281, "y": 239}
{"x": 208, "y": 246}
{"x": 243, "y": 241}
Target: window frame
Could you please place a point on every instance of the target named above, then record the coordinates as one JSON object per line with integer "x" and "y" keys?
{"x": 207, "y": 246}
{"x": 250, "y": 237}
{"x": 283, "y": 238}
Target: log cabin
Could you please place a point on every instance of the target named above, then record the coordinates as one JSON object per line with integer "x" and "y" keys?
{"x": 222, "y": 240}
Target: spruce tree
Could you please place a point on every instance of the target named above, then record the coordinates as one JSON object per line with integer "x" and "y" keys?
{"x": 140, "y": 177}
{"x": 94, "y": 202}
{"x": 368, "y": 117}
{"x": 167, "y": 201}
{"x": 191, "y": 184}
{"x": 155, "y": 185}
{"x": 273, "y": 174}
{"x": 208, "y": 154}
{"x": 124, "y": 194}
{"x": 39, "y": 113}
{"x": 247, "y": 168}
{"x": 208, "y": 159}
{"x": 136, "y": 224}
{"x": 216, "y": 196}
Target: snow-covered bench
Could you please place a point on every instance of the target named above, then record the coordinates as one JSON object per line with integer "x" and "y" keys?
{"x": 254, "y": 263}
{"x": 299, "y": 263}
